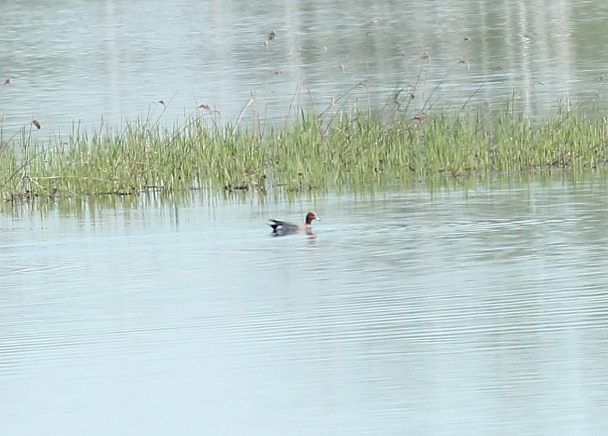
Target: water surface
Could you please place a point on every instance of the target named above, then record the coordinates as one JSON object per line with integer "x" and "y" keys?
{"x": 97, "y": 64}
{"x": 479, "y": 308}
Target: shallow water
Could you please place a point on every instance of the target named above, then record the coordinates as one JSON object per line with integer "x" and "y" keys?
{"x": 88, "y": 65}
{"x": 481, "y": 309}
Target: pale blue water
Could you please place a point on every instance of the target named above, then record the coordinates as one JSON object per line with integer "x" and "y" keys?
{"x": 90, "y": 65}
{"x": 480, "y": 309}
{"x": 475, "y": 309}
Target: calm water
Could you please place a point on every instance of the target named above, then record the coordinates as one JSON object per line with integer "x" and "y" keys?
{"x": 470, "y": 310}
{"x": 84, "y": 62}
{"x": 478, "y": 309}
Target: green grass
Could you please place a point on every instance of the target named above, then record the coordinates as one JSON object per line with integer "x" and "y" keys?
{"x": 351, "y": 150}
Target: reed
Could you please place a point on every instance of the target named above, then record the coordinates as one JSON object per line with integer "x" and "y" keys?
{"x": 347, "y": 150}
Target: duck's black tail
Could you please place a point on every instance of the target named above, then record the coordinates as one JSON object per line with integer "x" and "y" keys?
{"x": 275, "y": 225}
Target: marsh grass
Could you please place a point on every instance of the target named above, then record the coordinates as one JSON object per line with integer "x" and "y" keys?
{"x": 348, "y": 150}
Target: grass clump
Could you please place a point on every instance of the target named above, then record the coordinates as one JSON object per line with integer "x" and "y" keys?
{"x": 352, "y": 150}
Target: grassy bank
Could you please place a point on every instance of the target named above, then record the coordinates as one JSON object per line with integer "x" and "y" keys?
{"x": 349, "y": 150}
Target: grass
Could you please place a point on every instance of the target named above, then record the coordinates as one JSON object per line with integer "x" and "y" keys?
{"x": 347, "y": 150}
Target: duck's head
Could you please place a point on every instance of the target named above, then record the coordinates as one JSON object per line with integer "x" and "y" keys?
{"x": 310, "y": 217}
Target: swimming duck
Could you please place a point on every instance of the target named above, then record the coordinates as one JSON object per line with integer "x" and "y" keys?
{"x": 280, "y": 228}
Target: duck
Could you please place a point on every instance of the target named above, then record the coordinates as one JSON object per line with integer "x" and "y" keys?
{"x": 280, "y": 228}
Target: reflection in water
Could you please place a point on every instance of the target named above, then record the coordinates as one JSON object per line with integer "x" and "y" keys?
{"x": 462, "y": 311}
{"x": 117, "y": 63}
